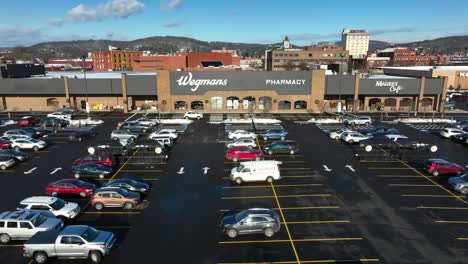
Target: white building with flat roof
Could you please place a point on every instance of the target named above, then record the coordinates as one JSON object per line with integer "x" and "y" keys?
{"x": 356, "y": 42}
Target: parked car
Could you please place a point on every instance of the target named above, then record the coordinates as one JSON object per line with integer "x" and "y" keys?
{"x": 54, "y": 122}
{"x": 147, "y": 121}
{"x": 5, "y": 144}
{"x": 22, "y": 225}
{"x": 166, "y": 141}
{"x": 73, "y": 242}
{"x": 242, "y": 142}
{"x": 121, "y": 134}
{"x": 461, "y": 138}
{"x": 396, "y": 143}
{"x": 129, "y": 185}
{"x": 17, "y": 155}
{"x": 91, "y": 170}
{"x": 459, "y": 183}
{"x": 236, "y": 134}
{"x": 379, "y": 131}
{"x": 81, "y": 135}
{"x": 114, "y": 197}
{"x": 70, "y": 186}
{"x": 67, "y": 110}
{"x": 37, "y": 132}
{"x": 60, "y": 115}
{"x": 251, "y": 171}
{"x": 103, "y": 159}
{"x": 337, "y": 134}
{"x": 58, "y": 207}
{"x": 29, "y": 121}
{"x": 353, "y": 137}
{"x": 449, "y": 105}
{"x": 438, "y": 167}
{"x": 163, "y": 133}
{"x": 19, "y": 133}
{"x": 193, "y": 115}
{"x": 463, "y": 124}
{"x": 282, "y": 147}
{"x": 243, "y": 153}
{"x": 274, "y": 133}
{"x": 251, "y": 221}
{"x": 358, "y": 120}
{"x": 134, "y": 126}
{"x": 6, "y": 162}
{"x": 450, "y": 132}
{"x": 28, "y": 143}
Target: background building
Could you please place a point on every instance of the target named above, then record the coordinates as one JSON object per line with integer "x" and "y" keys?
{"x": 68, "y": 64}
{"x": 356, "y": 42}
{"x": 114, "y": 60}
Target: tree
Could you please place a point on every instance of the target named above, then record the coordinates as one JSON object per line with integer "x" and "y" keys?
{"x": 289, "y": 66}
{"x": 302, "y": 66}
{"x": 19, "y": 52}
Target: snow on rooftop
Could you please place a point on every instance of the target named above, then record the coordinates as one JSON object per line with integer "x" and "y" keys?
{"x": 384, "y": 76}
{"x": 91, "y": 75}
{"x": 429, "y": 68}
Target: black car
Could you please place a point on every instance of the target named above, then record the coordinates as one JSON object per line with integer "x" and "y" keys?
{"x": 129, "y": 185}
{"x": 396, "y": 144}
{"x": 37, "y": 132}
{"x": 17, "y": 155}
{"x": 91, "y": 170}
{"x": 135, "y": 127}
{"x": 379, "y": 131}
{"x": 54, "y": 122}
{"x": 461, "y": 138}
{"x": 80, "y": 135}
{"x": 281, "y": 146}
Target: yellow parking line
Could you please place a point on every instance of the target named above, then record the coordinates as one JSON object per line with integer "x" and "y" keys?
{"x": 462, "y": 238}
{"x": 296, "y": 208}
{"x": 150, "y": 179}
{"x": 277, "y": 185}
{"x": 442, "y": 207}
{"x": 286, "y": 161}
{"x": 272, "y": 196}
{"x": 6, "y": 171}
{"x": 123, "y": 165}
{"x": 142, "y": 170}
{"x": 307, "y": 261}
{"x": 397, "y": 176}
{"x": 12, "y": 245}
{"x": 430, "y": 195}
{"x": 435, "y": 183}
{"x": 378, "y": 161}
{"x": 286, "y": 177}
{"x": 285, "y": 223}
{"x": 450, "y": 222}
{"x": 387, "y": 168}
{"x": 294, "y": 240}
{"x": 320, "y": 222}
{"x": 114, "y": 213}
{"x": 410, "y": 185}
{"x": 146, "y": 163}
{"x": 285, "y": 155}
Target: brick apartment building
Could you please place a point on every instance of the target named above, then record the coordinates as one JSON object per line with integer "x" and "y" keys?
{"x": 112, "y": 60}
{"x": 403, "y": 57}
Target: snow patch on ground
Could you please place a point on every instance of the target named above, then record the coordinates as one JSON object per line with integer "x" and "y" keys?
{"x": 324, "y": 121}
{"x": 248, "y": 121}
{"x": 175, "y": 121}
{"x": 425, "y": 120}
{"x": 84, "y": 122}
{"x": 8, "y": 122}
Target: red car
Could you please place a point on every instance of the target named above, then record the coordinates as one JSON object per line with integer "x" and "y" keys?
{"x": 105, "y": 160}
{"x": 437, "y": 167}
{"x": 5, "y": 144}
{"x": 243, "y": 153}
{"x": 70, "y": 186}
{"x": 29, "y": 121}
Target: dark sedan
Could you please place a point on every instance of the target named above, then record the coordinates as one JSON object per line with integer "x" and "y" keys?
{"x": 379, "y": 131}
{"x": 129, "y": 185}
{"x": 37, "y": 132}
{"x": 461, "y": 138}
{"x": 274, "y": 133}
{"x": 17, "y": 155}
{"x": 81, "y": 135}
{"x": 91, "y": 170}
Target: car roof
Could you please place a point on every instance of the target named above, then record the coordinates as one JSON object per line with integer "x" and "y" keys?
{"x": 40, "y": 199}
{"x": 108, "y": 189}
{"x": 260, "y": 211}
{"x": 73, "y": 181}
{"x": 121, "y": 180}
{"x": 18, "y": 215}
{"x": 438, "y": 160}
{"x": 74, "y": 230}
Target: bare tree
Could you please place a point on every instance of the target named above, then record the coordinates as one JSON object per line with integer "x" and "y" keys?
{"x": 289, "y": 66}
{"x": 303, "y": 66}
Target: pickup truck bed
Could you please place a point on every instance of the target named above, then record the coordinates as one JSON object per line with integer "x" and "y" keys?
{"x": 44, "y": 237}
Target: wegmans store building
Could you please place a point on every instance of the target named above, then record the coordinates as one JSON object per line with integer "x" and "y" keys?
{"x": 178, "y": 91}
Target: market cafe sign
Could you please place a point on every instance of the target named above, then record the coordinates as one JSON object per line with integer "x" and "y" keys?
{"x": 463, "y": 74}
{"x": 393, "y": 87}
{"x": 284, "y": 82}
{"x": 194, "y": 84}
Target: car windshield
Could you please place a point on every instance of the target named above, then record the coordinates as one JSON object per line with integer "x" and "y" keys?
{"x": 240, "y": 216}
{"x": 38, "y": 220}
{"x": 59, "y": 204}
{"x": 464, "y": 177}
{"x": 240, "y": 168}
{"x": 123, "y": 192}
{"x": 90, "y": 234}
{"x": 22, "y": 132}
{"x": 79, "y": 184}
{"x": 34, "y": 140}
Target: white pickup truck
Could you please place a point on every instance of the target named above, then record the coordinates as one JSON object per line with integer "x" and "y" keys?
{"x": 73, "y": 242}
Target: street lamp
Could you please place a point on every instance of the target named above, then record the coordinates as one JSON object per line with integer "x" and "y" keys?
{"x": 85, "y": 83}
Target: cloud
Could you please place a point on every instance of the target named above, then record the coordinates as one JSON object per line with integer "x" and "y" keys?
{"x": 169, "y": 5}
{"x": 376, "y": 32}
{"x": 14, "y": 36}
{"x": 112, "y": 8}
{"x": 174, "y": 23}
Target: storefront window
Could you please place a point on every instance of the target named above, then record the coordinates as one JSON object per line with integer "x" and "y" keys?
{"x": 284, "y": 105}
{"x": 264, "y": 103}
{"x": 248, "y": 103}
{"x": 197, "y": 105}
{"x": 232, "y": 103}
{"x": 300, "y": 105}
{"x": 180, "y": 105}
{"x": 216, "y": 103}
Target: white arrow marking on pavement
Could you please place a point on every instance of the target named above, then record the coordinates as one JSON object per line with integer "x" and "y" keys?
{"x": 326, "y": 168}
{"x": 181, "y": 171}
{"x": 30, "y": 171}
{"x": 55, "y": 170}
{"x": 205, "y": 170}
{"x": 351, "y": 168}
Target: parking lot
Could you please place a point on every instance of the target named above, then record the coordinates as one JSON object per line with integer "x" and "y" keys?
{"x": 334, "y": 206}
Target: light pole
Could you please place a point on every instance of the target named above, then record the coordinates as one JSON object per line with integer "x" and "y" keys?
{"x": 85, "y": 84}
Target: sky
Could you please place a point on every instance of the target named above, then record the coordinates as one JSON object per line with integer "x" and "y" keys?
{"x": 305, "y": 22}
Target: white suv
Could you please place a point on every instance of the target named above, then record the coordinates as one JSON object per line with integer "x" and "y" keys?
{"x": 28, "y": 143}
{"x": 236, "y": 134}
{"x": 60, "y": 115}
{"x": 353, "y": 137}
{"x": 58, "y": 207}
{"x": 359, "y": 120}
{"x": 164, "y": 133}
{"x": 242, "y": 142}
{"x": 193, "y": 115}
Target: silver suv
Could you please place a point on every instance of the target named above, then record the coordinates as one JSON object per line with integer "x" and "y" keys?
{"x": 22, "y": 225}
{"x": 251, "y": 221}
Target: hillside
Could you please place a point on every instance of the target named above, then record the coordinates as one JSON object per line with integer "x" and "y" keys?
{"x": 446, "y": 45}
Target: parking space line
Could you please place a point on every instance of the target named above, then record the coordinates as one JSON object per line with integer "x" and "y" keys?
{"x": 462, "y": 238}
{"x": 290, "y": 176}
{"x": 13, "y": 245}
{"x": 293, "y": 240}
{"x": 268, "y": 186}
{"x": 388, "y": 168}
{"x": 435, "y": 183}
{"x": 142, "y": 170}
{"x": 123, "y": 166}
{"x": 410, "y": 185}
{"x": 397, "y": 176}
{"x": 297, "y": 208}
{"x": 273, "y": 196}
{"x": 285, "y": 161}
{"x": 113, "y": 213}
{"x": 307, "y": 261}
{"x": 441, "y": 207}
{"x": 147, "y": 163}
{"x": 378, "y": 161}
{"x": 319, "y": 222}
{"x": 150, "y": 179}
{"x": 430, "y": 195}
{"x": 450, "y": 222}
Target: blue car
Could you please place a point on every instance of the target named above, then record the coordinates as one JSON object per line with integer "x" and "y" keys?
{"x": 91, "y": 170}
{"x": 274, "y": 133}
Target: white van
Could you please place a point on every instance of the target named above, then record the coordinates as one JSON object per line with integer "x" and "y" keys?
{"x": 250, "y": 171}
